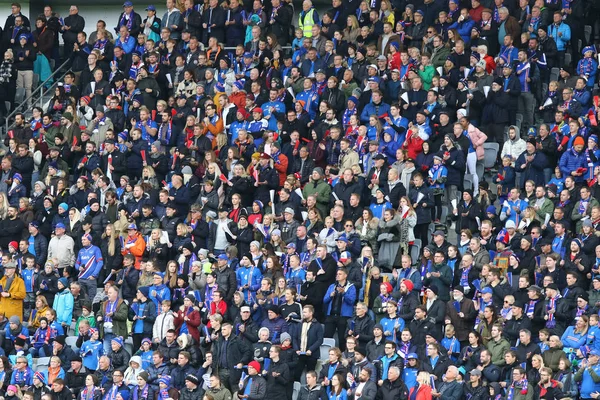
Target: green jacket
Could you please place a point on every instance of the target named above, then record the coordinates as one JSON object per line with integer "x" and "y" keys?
{"x": 348, "y": 88}
{"x": 427, "y": 76}
{"x": 442, "y": 282}
{"x": 497, "y": 349}
{"x": 577, "y": 217}
{"x": 221, "y": 393}
{"x": 322, "y": 191}
{"x": 438, "y": 57}
{"x": 547, "y": 208}
{"x": 119, "y": 319}
{"x": 520, "y": 396}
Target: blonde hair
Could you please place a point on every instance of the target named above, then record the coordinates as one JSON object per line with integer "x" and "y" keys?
{"x": 424, "y": 378}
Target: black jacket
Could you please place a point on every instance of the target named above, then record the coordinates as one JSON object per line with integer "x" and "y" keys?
{"x": 277, "y": 385}
{"x": 392, "y": 390}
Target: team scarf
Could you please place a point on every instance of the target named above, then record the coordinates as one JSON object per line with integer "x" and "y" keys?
{"x": 496, "y": 16}
{"x": 163, "y": 394}
{"x": 403, "y": 352}
{"x": 347, "y": 114}
{"x": 193, "y": 258}
{"x": 482, "y": 306}
{"x": 583, "y": 204}
{"x": 586, "y": 66}
{"x": 111, "y": 307}
{"x": 531, "y": 308}
{"x": 134, "y": 70}
{"x": 208, "y": 291}
{"x": 100, "y": 122}
{"x": 21, "y": 377}
{"x": 464, "y": 277}
{"x": 127, "y": 20}
{"x": 144, "y": 395}
{"x": 43, "y": 334}
{"x": 100, "y": 45}
{"x": 511, "y": 392}
{"x": 551, "y": 323}
{"x": 165, "y": 135}
{"x": 581, "y": 311}
{"x": 87, "y": 394}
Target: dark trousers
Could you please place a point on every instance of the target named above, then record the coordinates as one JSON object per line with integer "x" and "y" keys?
{"x": 422, "y": 232}
{"x": 336, "y": 323}
{"x": 137, "y": 340}
{"x": 305, "y": 363}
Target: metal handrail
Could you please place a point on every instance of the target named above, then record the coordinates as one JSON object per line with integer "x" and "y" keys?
{"x": 34, "y": 93}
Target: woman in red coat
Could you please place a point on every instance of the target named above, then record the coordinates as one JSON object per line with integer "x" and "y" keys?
{"x": 187, "y": 319}
{"x": 422, "y": 391}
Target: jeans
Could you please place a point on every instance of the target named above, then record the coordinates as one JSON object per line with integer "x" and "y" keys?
{"x": 526, "y": 108}
{"x": 106, "y": 344}
{"x": 472, "y": 170}
{"x": 89, "y": 287}
{"x": 25, "y": 81}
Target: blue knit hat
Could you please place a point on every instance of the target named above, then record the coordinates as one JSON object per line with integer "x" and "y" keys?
{"x": 118, "y": 340}
{"x": 145, "y": 290}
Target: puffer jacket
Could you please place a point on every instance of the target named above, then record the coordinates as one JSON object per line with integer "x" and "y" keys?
{"x": 258, "y": 390}
{"x": 120, "y": 359}
{"x": 370, "y": 235}
{"x": 478, "y": 138}
{"x": 571, "y": 161}
{"x": 277, "y": 325}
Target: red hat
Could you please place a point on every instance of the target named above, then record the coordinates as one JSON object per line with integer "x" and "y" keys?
{"x": 255, "y": 365}
{"x": 265, "y": 156}
{"x": 86, "y": 99}
{"x": 14, "y": 244}
{"x": 257, "y": 110}
{"x": 409, "y": 284}
{"x": 388, "y": 286}
{"x": 245, "y": 114}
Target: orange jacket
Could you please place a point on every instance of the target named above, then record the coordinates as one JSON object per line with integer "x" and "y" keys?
{"x": 281, "y": 168}
{"x": 137, "y": 249}
{"x": 214, "y": 129}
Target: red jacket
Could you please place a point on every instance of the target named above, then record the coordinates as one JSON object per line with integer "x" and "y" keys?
{"x": 413, "y": 145}
{"x": 192, "y": 324}
{"x": 423, "y": 393}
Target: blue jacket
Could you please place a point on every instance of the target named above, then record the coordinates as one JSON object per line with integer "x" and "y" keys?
{"x": 63, "y": 304}
{"x": 588, "y": 386}
{"x": 276, "y": 327}
{"x": 372, "y": 109}
{"x": 572, "y": 339}
{"x": 249, "y": 276}
{"x": 61, "y": 374}
{"x": 90, "y": 258}
{"x": 162, "y": 292}
{"x": 571, "y": 161}
{"x": 561, "y": 41}
{"x": 464, "y": 29}
{"x": 90, "y": 353}
{"x": 349, "y": 297}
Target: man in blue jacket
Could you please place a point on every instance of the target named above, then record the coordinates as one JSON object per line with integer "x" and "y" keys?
{"x": 339, "y": 305}
{"x": 376, "y": 107}
{"x": 89, "y": 263}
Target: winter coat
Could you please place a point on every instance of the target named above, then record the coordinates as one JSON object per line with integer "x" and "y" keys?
{"x": 13, "y": 305}
{"x": 478, "y": 138}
